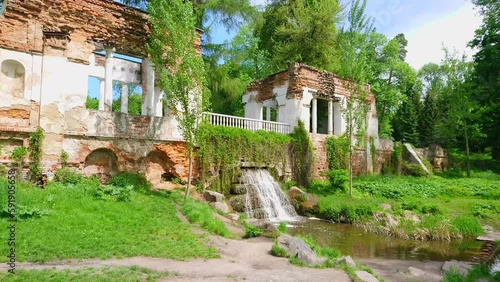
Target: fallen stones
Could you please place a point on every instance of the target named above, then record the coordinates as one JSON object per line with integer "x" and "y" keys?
{"x": 296, "y": 247}
{"x": 365, "y": 276}
{"x": 220, "y": 206}
{"x": 212, "y": 196}
{"x": 346, "y": 260}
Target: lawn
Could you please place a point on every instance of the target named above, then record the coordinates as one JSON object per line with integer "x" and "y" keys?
{"x": 66, "y": 221}
{"x": 447, "y": 207}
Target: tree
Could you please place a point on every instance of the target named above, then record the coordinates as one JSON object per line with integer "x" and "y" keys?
{"x": 354, "y": 43}
{"x": 486, "y": 75}
{"x": 300, "y": 31}
{"x": 178, "y": 66}
{"x": 462, "y": 111}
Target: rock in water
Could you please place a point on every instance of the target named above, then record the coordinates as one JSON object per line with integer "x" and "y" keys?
{"x": 296, "y": 247}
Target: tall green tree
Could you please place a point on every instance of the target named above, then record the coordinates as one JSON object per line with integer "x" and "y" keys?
{"x": 433, "y": 80}
{"x": 486, "y": 75}
{"x": 300, "y": 31}
{"x": 178, "y": 67}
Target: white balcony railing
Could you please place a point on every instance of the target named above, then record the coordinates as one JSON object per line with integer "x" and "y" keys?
{"x": 246, "y": 123}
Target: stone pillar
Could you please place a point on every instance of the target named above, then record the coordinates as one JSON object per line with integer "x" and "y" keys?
{"x": 330, "y": 117}
{"x": 314, "y": 115}
{"x": 108, "y": 79}
{"x": 338, "y": 119}
{"x": 101, "y": 94}
{"x": 124, "y": 98}
{"x": 268, "y": 113}
{"x": 147, "y": 103}
{"x": 158, "y": 102}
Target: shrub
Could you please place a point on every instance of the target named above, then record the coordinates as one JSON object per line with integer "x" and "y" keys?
{"x": 24, "y": 212}
{"x": 431, "y": 209}
{"x": 289, "y": 184}
{"x": 66, "y": 175}
{"x": 277, "y": 251}
{"x": 338, "y": 180}
{"x": 318, "y": 187}
{"x": 252, "y": 231}
{"x": 467, "y": 226}
{"x": 126, "y": 178}
{"x": 413, "y": 169}
{"x": 19, "y": 154}
{"x": 114, "y": 193}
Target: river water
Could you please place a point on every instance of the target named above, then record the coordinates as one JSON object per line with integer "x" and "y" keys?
{"x": 357, "y": 243}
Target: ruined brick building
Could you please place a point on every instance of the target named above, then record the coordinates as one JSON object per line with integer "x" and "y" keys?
{"x": 49, "y": 49}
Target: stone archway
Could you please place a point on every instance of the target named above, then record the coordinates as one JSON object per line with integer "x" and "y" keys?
{"x": 157, "y": 167}
{"x": 102, "y": 163}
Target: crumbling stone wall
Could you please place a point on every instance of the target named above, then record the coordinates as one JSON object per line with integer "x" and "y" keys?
{"x": 46, "y": 57}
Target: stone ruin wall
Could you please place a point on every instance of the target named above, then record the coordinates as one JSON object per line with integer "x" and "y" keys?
{"x": 46, "y": 56}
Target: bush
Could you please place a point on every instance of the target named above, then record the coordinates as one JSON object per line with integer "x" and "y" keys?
{"x": 252, "y": 231}
{"x": 126, "y": 178}
{"x": 66, "y": 175}
{"x": 19, "y": 154}
{"x": 282, "y": 227}
{"x": 318, "y": 187}
{"x": 114, "y": 193}
{"x": 413, "y": 169}
{"x": 338, "y": 180}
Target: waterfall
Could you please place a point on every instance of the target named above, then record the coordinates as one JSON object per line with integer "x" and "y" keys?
{"x": 264, "y": 198}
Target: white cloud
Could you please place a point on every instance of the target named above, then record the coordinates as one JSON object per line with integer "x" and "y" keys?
{"x": 453, "y": 30}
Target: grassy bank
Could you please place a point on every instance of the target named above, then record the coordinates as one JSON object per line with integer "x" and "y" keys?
{"x": 424, "y": 208}
{"x": 84, "y": 220}
{"x": 85, "y": 274}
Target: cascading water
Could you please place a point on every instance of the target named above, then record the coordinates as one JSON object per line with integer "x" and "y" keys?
{"x": 264, "y": 198}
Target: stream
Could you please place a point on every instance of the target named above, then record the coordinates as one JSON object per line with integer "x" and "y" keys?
{"x": 359, "y": 244}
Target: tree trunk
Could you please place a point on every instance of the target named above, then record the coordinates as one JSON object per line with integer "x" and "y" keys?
{"x": 467, "y": 150}
{"x": 350, "y": 171}
{"x": 190, "y": 174}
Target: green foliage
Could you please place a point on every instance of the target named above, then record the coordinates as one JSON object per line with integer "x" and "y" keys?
{"x": 342, "y": 211}
{"x": 19, "y": 155}
{"x": 114, "y": 193}
{"x": 337, "y": 150}
{"x": 252, "y": 231}
{"x": 35, "y": 154}
{"x": 127, "y": 178}
{"x": 467, "y": 226}
{"x": 282, "y": 227}
{"x": 202, "y": 214}
{"x": 302, "y": 151}
{"x": 338, "y": 180}
{"x": 67, "y": 175}
{"x": 319, "y": 187}
{"x": 79, "y": 227}
{"x": 396, "y": 159}
{"x": 92, "y": 103}
{"x": 277, "y": 251}
{"x": 25, "y": 212}
{"x": 289, "y": 184}
{"x": 64, "y": 158}
{"x": 222, "y": 148}
{"x": 413, "y": 169}
{"x": 300, "y": 31}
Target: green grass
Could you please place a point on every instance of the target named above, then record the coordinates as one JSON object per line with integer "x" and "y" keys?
{"x": 478, "y": 271}
{"x": 202, "y": 214}
{"x": 79, "y": 226}
{"x": 85, "y": 274}
{"x": 448, "y": 207}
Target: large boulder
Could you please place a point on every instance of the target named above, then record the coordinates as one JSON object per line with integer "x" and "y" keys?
{"x": 459, "y": 266}
{"x": 296, "y": 247}
{"x": 237, "y": 203}
{"x": 305, "y": 204}
{"x": 220, "y": 206}
{"x": 212, "y": 196}
{"x": 239, "y": 189}
{"x": 365, "y": 276}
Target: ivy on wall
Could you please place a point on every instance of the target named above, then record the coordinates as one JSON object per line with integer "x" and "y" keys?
{"x": 337, "y": 150}
{"x": 35, "y": 154}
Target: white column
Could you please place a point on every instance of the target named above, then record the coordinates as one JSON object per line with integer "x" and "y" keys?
{"x": 147, "y": 106}
{"x": 108, "y": 79}
{"x": 338, "y": 119}
{"x": 101, "y": 94}
{"x": 268, "y": 113}
{"x": 314, "y": 115}
{"x": 124, "y": 98}
{"x": 330, "y": 117}
{"x": 158, "y": 102}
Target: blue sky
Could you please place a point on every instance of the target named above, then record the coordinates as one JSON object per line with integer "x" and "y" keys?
{"x": 427, "y": 24}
